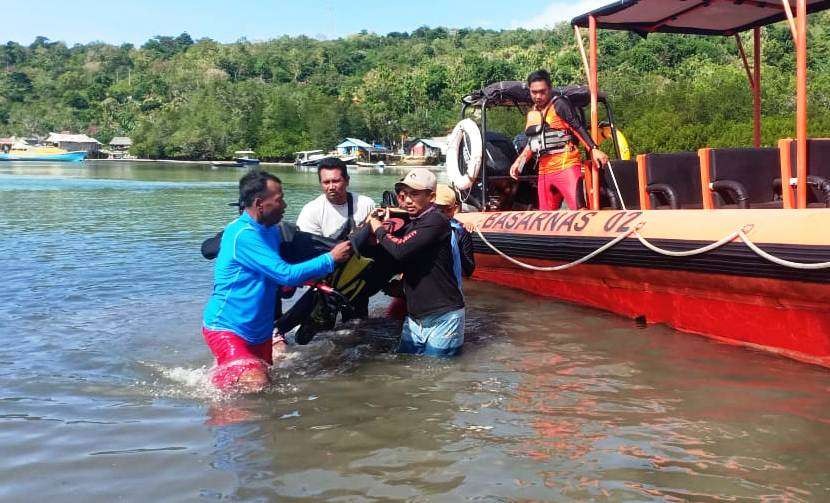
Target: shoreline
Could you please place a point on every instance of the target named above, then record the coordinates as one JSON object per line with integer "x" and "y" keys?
{"x": 180, "y": 161}
{"x": 366, "y": 169}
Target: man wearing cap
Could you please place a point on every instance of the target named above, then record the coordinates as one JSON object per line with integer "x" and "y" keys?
{"x": 336, "y": 211}
{"x": 434, "y": 324}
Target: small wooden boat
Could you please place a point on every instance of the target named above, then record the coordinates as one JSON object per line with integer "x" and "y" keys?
{"x": 709, "y": 242}
{"x": 47, "y": 154}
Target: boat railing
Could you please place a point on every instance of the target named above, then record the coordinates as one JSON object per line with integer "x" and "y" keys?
{"x": 732, "y": 178}
{"x": 711, "y": 178}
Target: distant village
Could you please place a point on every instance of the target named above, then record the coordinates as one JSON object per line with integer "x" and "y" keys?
{"x": 118, "y": 147}
{"x": 416, "y": 151}
{"x": 421, "y": 151}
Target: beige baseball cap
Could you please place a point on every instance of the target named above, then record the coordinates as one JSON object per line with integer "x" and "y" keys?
{"x": 418, "y": 179}
{"x": 445, "y": 196}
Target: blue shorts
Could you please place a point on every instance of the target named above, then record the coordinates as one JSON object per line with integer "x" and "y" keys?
{"x": 434, "y": 335}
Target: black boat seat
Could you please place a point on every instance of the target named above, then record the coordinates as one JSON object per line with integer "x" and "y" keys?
{"x": 627, "y": 179}
{"x": 818, "y": 171}
{"x": 743, "y": 177}
{"x": 609, "y": 199}
{"x": 673, "y": 180}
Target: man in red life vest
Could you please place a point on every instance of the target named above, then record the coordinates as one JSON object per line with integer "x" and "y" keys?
{"x": 553, "y": 131}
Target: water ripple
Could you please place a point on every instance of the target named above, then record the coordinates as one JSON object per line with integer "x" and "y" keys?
{"x": 104, "y": 379}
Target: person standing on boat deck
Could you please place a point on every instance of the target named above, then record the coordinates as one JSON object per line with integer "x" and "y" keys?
{"x": 238, "y": 319}
{"x": 434, "y": 324}
{"x": 336, "y": 211}
{"x": 553, "y": 130}
{"x": 464, "y": 262}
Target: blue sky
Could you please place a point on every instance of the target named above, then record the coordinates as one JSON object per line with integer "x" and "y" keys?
{"x": 117, "y": 21}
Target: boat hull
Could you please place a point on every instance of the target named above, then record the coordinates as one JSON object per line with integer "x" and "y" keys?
{"x": 76, "y": 156}
{"x": 730, "y": 293}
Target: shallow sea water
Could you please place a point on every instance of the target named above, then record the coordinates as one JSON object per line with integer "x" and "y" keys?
{"x": 103, "y": 391}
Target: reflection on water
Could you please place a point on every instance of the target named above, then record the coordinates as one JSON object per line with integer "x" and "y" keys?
{"x": 103, "y": 390}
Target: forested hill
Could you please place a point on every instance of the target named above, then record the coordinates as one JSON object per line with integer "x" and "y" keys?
{"x": 179, "y": 98}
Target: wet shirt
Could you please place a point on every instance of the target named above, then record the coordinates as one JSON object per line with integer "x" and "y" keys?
{"x": 560, "y": 115}
{"x": 247, "y": 274}
{"x": 425, "y": 253}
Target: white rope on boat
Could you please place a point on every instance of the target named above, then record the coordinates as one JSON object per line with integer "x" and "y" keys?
{"x": 561, "y": 267}
{"x": 686, "y": 253}
{"x": 786, "y": 263}
{"x": 616, "y": 185}
{"x": 740, "y": 234}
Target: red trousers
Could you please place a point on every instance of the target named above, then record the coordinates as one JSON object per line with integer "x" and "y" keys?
{"x": 554, "y": 186}
{"x": 234, "y": 356}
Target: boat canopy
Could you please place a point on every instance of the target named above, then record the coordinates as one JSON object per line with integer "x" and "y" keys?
{"x": 244, "y": 152}
{"x": 515, "y": 92}
{"x": 698, "y": 17}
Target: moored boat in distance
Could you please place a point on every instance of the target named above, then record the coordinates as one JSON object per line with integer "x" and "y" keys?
{"x": 226, "y": 164}
{"x": 245, "y": 157}
{"x": 308, "y": 157}
{"x": 48, "y": 154}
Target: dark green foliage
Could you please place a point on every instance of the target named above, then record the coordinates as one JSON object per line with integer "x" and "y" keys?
{"x": 16, "y": 86}
{"x": 166, "y": 47}
{"x": 181, "y": 98}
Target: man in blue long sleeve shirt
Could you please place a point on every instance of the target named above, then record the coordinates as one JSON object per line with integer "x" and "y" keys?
{"x": 239, "y": 316}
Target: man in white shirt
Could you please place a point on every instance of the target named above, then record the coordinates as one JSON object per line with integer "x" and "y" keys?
{"x": 328, "y": 214}
{"x": 334, "y": 214}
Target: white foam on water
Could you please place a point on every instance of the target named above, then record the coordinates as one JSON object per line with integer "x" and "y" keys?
{"x": 195, "y": 383}
{"x": 182, "y": 382}
{"x": 329, "y": 353}
{"x": 288, "y": 359}
{"x": 188, "y": 377}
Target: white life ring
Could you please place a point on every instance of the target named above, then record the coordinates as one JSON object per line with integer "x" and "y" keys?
{"x": 465, "y": 140}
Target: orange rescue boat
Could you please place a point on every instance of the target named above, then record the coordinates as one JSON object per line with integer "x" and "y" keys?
{"x": 733, "y": 244}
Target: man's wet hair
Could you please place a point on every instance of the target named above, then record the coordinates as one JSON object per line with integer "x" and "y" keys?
{"x": 539, "y": 76}
{"x": 332, "y": 163}
{"x": 253, "y": 185}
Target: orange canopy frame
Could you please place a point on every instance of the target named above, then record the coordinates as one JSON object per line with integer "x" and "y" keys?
{"x": 712, "y": 17}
